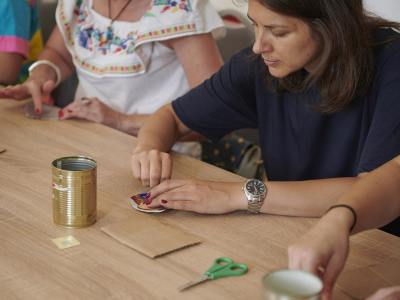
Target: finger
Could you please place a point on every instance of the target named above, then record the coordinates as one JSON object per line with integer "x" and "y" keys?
{"x": 311, "y": 263}
{"x": 155, "y": 169}
{"x": 135, "y": 164}
{"x": 145, "y": 171}
{"x": 49, "y": 100}
{"x": 37, "y": 96}
{"x": 166, "y": 186}
{"x": 65, "y": 114}
{"x": 48, "y": 87}
{"x": 294, "y": 258}
{"x": 178, "y": 194}
{"x": 166, "y": 170}
{"x": 79, "y": 112}
{"x": 18, "y": 92}
{"x": 179, "y": 205}
{"x": 69, "y": 111}
{"x": 332, "y": 271}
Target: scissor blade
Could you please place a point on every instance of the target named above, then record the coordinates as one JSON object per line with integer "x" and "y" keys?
{"x": 193, "y": 283}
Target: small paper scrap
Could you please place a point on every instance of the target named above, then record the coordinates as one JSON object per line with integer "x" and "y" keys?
{"x": 65, "y": 242}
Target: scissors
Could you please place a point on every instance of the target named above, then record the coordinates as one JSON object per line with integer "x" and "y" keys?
{"x": 222, "y": 267}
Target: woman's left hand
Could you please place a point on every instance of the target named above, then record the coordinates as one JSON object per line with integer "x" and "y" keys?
{"x": 196, "y": 195}
{"x": 91, "y": 109}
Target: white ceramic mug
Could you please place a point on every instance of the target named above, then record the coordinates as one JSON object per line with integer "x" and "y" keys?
{"x": 290, "y": 285}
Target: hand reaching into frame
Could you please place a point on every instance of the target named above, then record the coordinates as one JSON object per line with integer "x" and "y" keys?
{"x": 91, "y": 109}
{"x": 199, "y": 196}
{"x": 322, "y": 251}
{"x": 37, "y": 88}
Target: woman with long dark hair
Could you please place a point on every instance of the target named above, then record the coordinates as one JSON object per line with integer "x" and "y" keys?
{"x": 320, "y": 84}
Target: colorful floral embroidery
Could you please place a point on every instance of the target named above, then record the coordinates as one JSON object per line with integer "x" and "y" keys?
{"x": 103, "y": 41}
{"x": 173, "y": 5}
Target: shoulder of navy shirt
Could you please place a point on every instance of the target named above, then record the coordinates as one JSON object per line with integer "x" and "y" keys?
{"x": 297, "y": 142}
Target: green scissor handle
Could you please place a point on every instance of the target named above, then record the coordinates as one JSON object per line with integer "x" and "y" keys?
{"x": 225, "y": 267}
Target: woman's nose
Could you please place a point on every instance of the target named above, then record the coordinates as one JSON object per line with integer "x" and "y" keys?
{"x": 261, "y": 43}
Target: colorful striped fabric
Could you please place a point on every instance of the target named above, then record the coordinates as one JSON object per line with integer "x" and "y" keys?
{"x": 20, "y": 31}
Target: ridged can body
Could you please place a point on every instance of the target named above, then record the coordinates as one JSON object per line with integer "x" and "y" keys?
{"x": 74, "y": 191}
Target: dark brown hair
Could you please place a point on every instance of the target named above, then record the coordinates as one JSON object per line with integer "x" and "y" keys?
{"x": 346, "y": 66}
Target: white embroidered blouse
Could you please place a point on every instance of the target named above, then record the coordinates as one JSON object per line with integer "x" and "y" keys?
{"x": 125, "y": 66}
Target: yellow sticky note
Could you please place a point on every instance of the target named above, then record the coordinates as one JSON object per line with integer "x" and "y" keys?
{"x": 65, "y": 242}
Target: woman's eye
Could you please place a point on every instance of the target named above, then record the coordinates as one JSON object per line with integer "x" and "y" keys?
{"x": 280, "y": 34}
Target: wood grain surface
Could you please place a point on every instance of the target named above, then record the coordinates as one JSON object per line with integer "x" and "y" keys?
{"x": 32, "y": 267}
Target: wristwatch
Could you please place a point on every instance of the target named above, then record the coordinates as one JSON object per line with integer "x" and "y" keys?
{"x": 255, "y": 191}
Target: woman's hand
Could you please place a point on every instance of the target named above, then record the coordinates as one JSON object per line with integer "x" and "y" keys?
{"x": 91, "y": 109}
{"x": 39, "y": 88}
{"x": 151, "y": 166}
{"x": 389, "y": 293}
{"x": 322, "y": 251}
{"x": 196, "y": 195}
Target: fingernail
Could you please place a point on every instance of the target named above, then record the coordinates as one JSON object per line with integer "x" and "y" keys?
{"x": 68, "y": 110}
{"x": 147, "y": 200}
{"x": 60, "y": 114}
{"x": 37, "y": 111}
{"x": 164, "y": 201}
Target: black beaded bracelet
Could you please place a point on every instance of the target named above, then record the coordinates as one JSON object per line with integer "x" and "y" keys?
{"x": 349, "y": 208}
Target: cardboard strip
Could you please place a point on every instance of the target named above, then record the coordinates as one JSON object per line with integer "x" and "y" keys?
{"x": 149, "y": 236}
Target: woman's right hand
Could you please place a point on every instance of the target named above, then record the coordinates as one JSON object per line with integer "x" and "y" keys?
{"x": 322, "y": 251}
{"x": 151, "y": 166}
{"x": 37, "y": 88}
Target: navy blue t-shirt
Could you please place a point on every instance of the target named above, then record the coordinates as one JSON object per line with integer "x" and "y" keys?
{"x": 297, "y": 142}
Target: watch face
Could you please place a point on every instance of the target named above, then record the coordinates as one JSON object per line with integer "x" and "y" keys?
{"x": 255, "y": 187}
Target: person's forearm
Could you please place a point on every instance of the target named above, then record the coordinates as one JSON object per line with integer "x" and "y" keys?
{"x": 56, "y": 51}
{"x": 296, "y": 198}
{"x": 159, "y": 132}
{"x": 375, "y": 198}
{"x": 310, "y": 198}
{"x": 66, "y": 67}
{"x": 129, "y": 123}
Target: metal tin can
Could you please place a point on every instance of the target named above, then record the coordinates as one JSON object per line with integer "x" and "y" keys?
{"x": 291, "y": 285}
{"x": 74, "y": 191}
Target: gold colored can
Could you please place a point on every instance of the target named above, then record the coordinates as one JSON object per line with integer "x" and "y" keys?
{"x": 74, "y": 191}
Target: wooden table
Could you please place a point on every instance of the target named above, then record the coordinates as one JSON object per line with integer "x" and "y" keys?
{"x": 32, "y": 267}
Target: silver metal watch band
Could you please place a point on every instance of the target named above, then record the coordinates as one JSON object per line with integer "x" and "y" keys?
{"x": 254, "y": 207}
{"x": 255, "y": 200}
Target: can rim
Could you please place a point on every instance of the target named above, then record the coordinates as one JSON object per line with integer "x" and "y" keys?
{"x": 76, "y": 158}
